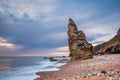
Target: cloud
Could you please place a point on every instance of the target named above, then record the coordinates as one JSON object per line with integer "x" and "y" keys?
{"x": 59, "y": 36}
{"x": 40, "y": 26}
{"x": 4, "y": 43}
{"x": 65, "y": 48}
{"x": 7, "y": 47}
{"x": 102, "y": 39}
{"x": 33, "y": 9}
{"x": 58, "y": 51}
{"x": 101, "y": 29}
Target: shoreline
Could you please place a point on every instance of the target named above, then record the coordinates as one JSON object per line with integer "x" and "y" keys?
{"x": 89, "y": 69}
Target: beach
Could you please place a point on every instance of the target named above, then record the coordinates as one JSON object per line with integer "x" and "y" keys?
{"x": 101, "y": 67}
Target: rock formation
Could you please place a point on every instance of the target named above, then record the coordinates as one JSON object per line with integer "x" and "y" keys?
{"x": 112, "y": 46}
{"x": 78, "y": 46}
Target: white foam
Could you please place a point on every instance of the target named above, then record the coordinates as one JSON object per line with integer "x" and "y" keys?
{"x": 28, "y": 73}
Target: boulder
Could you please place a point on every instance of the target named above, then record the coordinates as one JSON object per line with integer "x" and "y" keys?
{"x": 52, "y": 59}
{"x": 79, "y": 48}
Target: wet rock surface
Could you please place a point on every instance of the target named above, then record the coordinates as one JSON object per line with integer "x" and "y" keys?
{"x": 78, "y": 46}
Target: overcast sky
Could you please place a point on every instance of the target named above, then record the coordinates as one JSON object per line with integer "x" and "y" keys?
{"x": 39, "y": 27}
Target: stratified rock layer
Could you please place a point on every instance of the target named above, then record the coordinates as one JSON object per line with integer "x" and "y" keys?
{"x": 78, "y": 46}
{"x": 112, "y": 46}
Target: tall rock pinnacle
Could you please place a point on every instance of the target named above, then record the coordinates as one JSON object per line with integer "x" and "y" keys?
{"x": 78, "y": 46}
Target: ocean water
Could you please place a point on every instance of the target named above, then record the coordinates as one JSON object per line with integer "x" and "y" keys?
{"x": 24, "y": 68}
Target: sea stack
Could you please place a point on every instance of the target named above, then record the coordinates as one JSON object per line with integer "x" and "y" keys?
{"x": 110, "y": 47}
{"x": 79, "y": 48}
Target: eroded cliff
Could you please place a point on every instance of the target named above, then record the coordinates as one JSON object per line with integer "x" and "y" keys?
{"x": 79, "y": 48}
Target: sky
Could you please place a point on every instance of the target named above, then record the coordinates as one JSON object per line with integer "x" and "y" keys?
{"x": 39, "y": 27}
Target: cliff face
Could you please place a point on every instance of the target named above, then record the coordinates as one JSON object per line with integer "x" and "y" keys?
{"x": 78, "y": 46}
{"x": 112, "y": 46}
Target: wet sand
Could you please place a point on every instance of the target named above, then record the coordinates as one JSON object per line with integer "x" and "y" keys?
{"x": 90, "y": 69}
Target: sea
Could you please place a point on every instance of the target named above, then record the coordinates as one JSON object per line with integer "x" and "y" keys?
{"x": 24, "y": 68}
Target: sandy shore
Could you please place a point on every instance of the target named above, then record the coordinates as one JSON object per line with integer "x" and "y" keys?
{"x": 105, "y": 67}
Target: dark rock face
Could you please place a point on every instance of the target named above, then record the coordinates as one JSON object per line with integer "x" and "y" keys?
{"x": 113, "y": 49}
{"x": 78, "y": 46}
{"x": 112, "y": 46}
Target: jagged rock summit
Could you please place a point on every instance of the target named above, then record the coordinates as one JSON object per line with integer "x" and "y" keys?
{"x": 78, "y": 46}
{"x": 112, "y": 46}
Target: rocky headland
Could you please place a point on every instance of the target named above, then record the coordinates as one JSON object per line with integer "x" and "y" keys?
{"x": 84, "y": 65}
